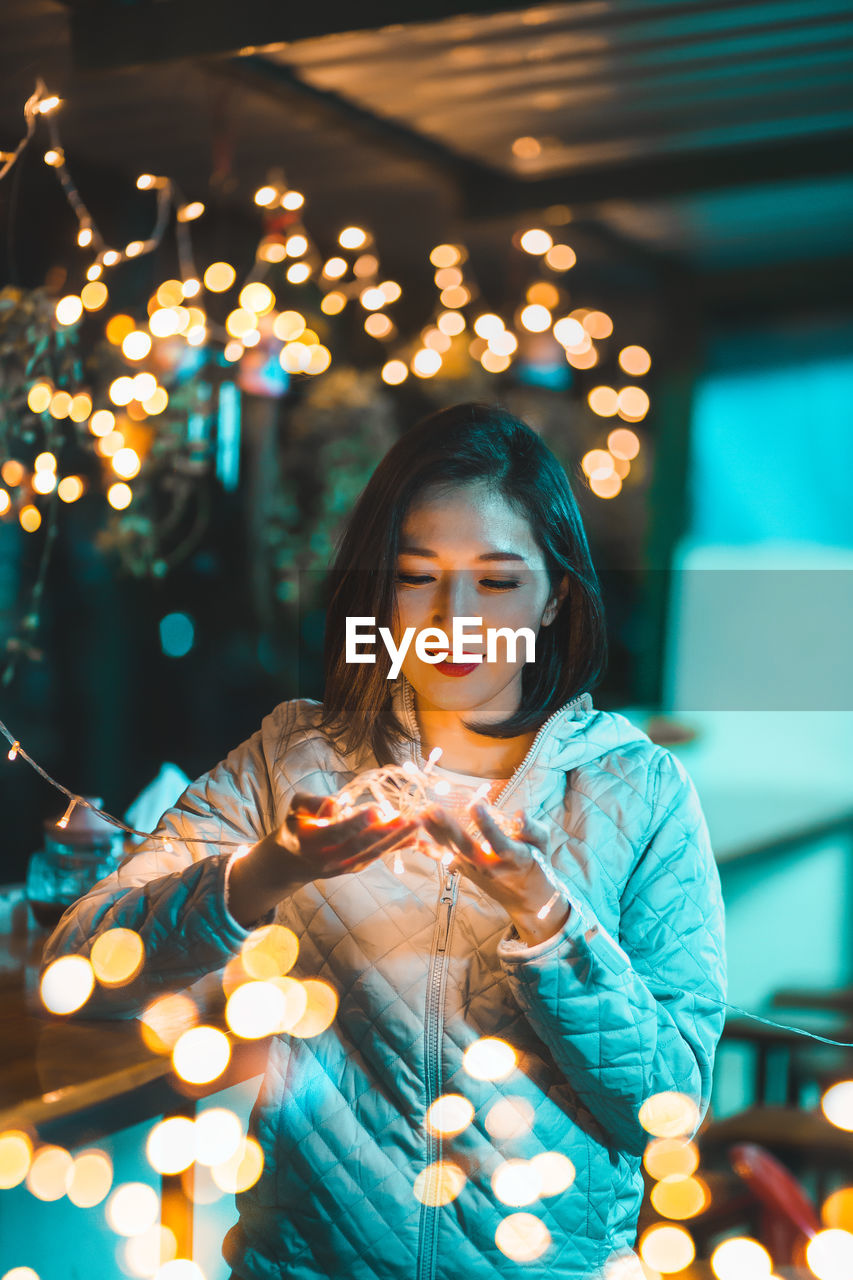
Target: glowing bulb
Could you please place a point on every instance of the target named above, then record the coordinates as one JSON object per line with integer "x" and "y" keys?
{"x": 667, "y": 1248}
{"x": 522, "y": 1237}
{"x": 526, "y": 148}
{"x": 233, "y": 350}
{"x": 352, "y": 238}
{"x": 39, "y": 397}
{"x": 569, "y": 332}
{"x": 94, "y": 295}
{"x": 119, "y": 496}
{"x": 623, "y": 443}
{"x": 110, "y": 257}
{"x": 241, "y": 1170}
{"x": 44, "y": 482}
{"x": 265, "y": 196}
{"x": 320, "y": 1009}
{"x": 132, "y": 1208}
{"x": 445, "y": 255}
{"x": 257, "y": 297}
{"x": 136, "y": 345}
{"x": 439, "y": 1183}
{"x": 48, "y": 104}
{"x": 66, "y": 984}
{"x": 201, "y": 1054}
{"x": 170, "y": 1147}
{"x": 16, "y": 1153}
{"x": 217, "y": 1136}
{"x": 379, "y": 325}
{"x": 292, "y": 200}
{"x": 635, "y": 360}
{"x": 390, "y": 290}
{"x": 489, "y": 1059}
{"x": 560, "y": 257}
{"x": 449, "y": 1114}
{"x": 134, "y": 249}
{"x": 144, "y": 385}
{"x": 426, "y": 362}
{"x": 296, "y": 245}
{"x": 333, "y": 303}
{"x": 604, "y": 401}
{"x": 335, "y": 268}
{"x": 69, "y": 309}
{"x": 54, "y": 157}
{"x": 240, "y": 321}
{"x": 29, "y": 518}
{"x": 89, "y": 1179}
{"x": 191, "y": 287}
{"x": 536, "y": 241}
{"x": 516, "y": 1182}
{"x": 95, "y": 271}
{"x": 219, "y": 276}
{"x": 45, "y": 461}
{"x": 394, "y": 372}
{"x": 70, "y": 488}
{"x": 60, "y": 404}
{"x": 740, "y": 1256}
{"x": 633, "y": 404}
{"x": 536, "y": 318}
{"x": 486, "y": 326}
{"x": 837, "y": 1105}
{"x": 5, "y": 504}
{"x": 189, "y": 212}
{"x": 598, "y": 324}
{"x": 830, "y": 1254}
{"x": 451, "y": 322}
{"x": 298, "y": 273}
{"x": 48, "y": 1173}
{"x": 102, "y": 422}
{"x": 117, "y": 955}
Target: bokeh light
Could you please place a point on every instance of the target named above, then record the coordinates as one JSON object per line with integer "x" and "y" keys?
{"x": 242, "y": 1169}
{"x": 439, "y": 1183}
{"x": 218, "y": 1134}
{"x": 522, "y": 1237}
{"x": 555, "y": 1171}
{"x": 677, "y": 1196}
{"x": 66, "y": 984}
{"x": 635, "y": 361}
{"x": 171, "y": 1144}
{"x": 666, "y": 1156}
{"x": 511, "y": 1117}
{"x": 669, "y": 1115}
{"x": 739, "y": 1258}
{"x": 132, "y": 1208}
{"x": 667, "y": 1248}
{"x": 321, "y": 1005}
{"x": 837, "y": 1105}
{"x": 89, "y": 1178}
{"x": 830, "y": 1255}
{"x": 164, "y": 1021}
{"x": 16, "y": 1153}
{"x": 516, "y": 1182}
{"x": 219, "y": 276}
{"x": 489, "y": 1059}
{"x": 449, "y": 1114}
{"x": 49, "y": 1172}
{"x": 201, "y": 1054}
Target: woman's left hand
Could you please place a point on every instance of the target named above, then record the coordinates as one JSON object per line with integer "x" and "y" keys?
{"x": 507, "y": 869}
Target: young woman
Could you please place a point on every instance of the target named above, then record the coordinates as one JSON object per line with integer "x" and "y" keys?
{"x": 607, "y": 993}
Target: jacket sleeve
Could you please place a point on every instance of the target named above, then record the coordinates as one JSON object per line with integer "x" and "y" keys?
{"x": 625, "y": 1022}
{"x": 175, "y": 897}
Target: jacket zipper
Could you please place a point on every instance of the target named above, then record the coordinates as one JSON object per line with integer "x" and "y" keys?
{"x": 434, "y": 1014}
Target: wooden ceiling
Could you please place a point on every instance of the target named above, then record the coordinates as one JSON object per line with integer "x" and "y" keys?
{"x": 712, "y": 134}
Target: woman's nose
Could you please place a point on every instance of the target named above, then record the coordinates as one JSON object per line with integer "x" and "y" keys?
{"x": 455, "y": 599}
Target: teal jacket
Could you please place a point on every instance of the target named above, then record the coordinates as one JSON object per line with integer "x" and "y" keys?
{"x": 623, "y": 1003}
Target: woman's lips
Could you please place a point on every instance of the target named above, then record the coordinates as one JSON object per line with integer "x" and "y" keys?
{"x": 456, "y": 668}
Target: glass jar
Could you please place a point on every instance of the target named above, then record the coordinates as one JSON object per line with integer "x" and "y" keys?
{"x": 73, "y": 859}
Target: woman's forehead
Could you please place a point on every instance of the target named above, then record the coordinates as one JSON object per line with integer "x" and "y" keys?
{"x": 473, "y": 518}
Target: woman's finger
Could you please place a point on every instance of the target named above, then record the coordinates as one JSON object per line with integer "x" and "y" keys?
{"x": 446, "y": 830}
{"x": 381, "y": 843}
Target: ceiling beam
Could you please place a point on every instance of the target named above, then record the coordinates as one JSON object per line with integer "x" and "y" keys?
{"x": 106, "y": 35}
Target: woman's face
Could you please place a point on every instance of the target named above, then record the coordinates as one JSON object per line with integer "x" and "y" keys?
{"x": 465, "y": 552}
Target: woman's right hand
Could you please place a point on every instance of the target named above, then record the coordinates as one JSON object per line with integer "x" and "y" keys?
{"x": 303, "y": 849}
{"x": 316, "y": 845}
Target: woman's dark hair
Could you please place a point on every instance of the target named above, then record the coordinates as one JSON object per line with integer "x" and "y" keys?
{"x": 463, "y": 444}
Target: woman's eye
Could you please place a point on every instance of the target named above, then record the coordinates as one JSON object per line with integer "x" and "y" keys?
{"x": 496, "y": 584}
{"x": 504, "y": 584}
{"x": 413, "y": 579}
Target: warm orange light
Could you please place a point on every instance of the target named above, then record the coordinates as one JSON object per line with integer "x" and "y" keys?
{"x": 132, "y": 1208}
{"x": 445, "y": 255}
{"x": 171, "y": 1144}
{"x": 536, "y": 241}
{"x": 320, "y": 1009}
{"x": 219, "y": 276}
{"x": 118, "y": 954}
{"x": 333, "y": 303}
{"x": 29, "y": 518}
{"x": 201, "y": 1054}
{"x": 449, "y": 1114}
{"x": 510, "y": 1118}
{"x": 635, "y": 360}
{"x": 257, "y": 298}
{"x": 667, "y": 1248}
{"x": 49, "y": 1172}
{"x": 16, "y": 1153}
{"x": 677, "y": 1196}
{"x": 352, "y": 238}
{"x": 119, "y": 496}
{"x": 560, "y": 257}
{"x": 118, "y": 327}
{"x": 489, "y": 1059}
{"x": 89, "y": 1179}
{"x": 66, "y": 984}
{"x": 165, "y": 1020}
{"x": 394, "y": 372}
{"x": 522, "y": 1237}
{"x": 604, "y": 401}
{"x": 598, "y": 324}
{"x": 439, "y": 1183}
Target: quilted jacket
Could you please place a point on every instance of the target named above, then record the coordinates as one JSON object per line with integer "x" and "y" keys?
{"x": 624, "y": 1002}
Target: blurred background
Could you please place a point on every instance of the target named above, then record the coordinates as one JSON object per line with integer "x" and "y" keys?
{"x": 244, "y": 248}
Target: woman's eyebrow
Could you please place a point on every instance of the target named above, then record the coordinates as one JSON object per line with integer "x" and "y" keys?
{"x": 487, "y": 555}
